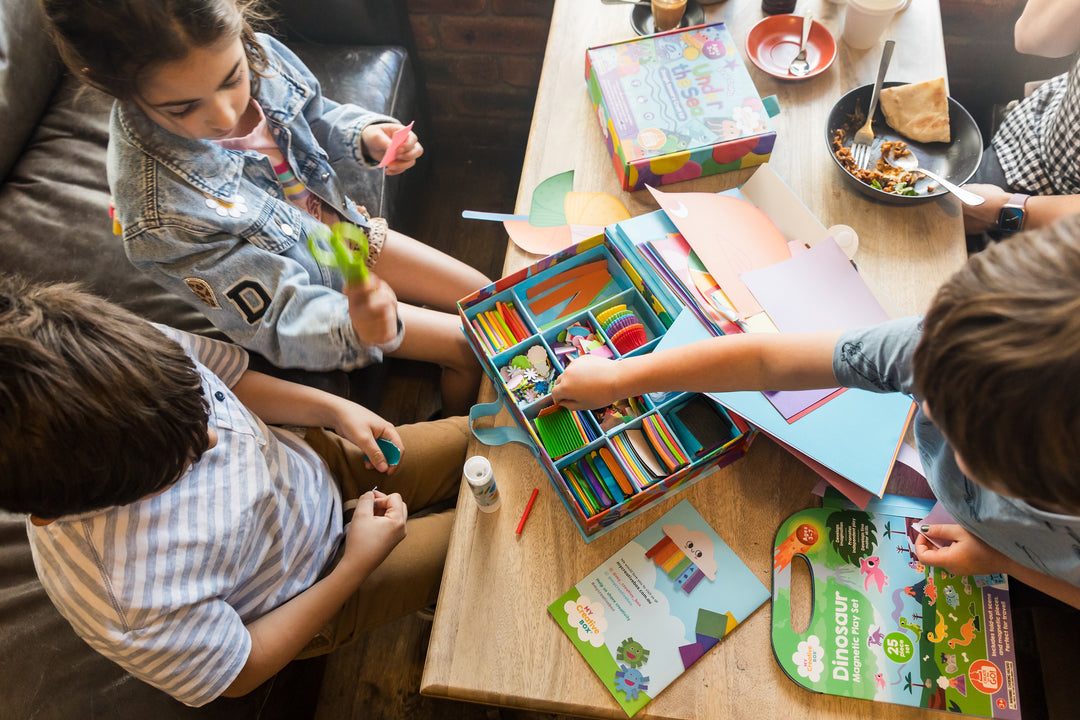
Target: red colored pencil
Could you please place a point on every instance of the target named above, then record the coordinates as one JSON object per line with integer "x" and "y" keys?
{"x": 528, "y": 509}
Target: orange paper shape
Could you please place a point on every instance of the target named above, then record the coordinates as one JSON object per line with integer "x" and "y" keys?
{"x": 580, "y": 288}
{"x": 731, "y": 236}
{"x": 539, "y": 240}
{"x": 594, "y": 209}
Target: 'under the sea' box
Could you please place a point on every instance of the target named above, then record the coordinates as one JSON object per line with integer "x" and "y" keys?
{"x": 677, "y": 106}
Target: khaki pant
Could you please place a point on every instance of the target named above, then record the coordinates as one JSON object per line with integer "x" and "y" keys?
{"x": 429, "y": 474}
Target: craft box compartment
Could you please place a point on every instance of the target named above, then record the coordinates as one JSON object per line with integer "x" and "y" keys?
{"x": 603, "y": 469}
{"x": 677, "y": 106}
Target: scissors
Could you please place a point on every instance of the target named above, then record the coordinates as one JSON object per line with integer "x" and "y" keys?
{"x": 341, "y": 237}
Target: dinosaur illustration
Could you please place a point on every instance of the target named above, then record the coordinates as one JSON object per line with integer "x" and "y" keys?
{"x": 939, "y": 632}
{"x": 967, "y": 632}
{"x": 871, "y": 568}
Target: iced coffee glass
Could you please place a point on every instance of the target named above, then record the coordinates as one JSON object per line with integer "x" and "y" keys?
{"x": 667, "y": 14}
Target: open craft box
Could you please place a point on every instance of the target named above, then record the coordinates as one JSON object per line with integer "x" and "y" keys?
{"x": 603, "y": 473}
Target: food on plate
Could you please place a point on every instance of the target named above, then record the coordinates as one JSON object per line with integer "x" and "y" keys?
{"x": 882, "y": 175}
{"x": 919, "y": 111}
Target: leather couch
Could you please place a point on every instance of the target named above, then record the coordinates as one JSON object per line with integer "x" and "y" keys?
{"x": 54, "y": 226}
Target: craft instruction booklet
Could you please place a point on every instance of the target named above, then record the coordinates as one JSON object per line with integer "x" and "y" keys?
{"x": 658, "y": 605}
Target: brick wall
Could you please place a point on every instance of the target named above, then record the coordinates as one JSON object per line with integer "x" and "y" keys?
{"x": 480, "y": 61}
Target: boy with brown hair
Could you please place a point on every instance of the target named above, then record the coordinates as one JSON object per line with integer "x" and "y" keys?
{"x": 995, "y": 365}
{"x": 179, "y": 534}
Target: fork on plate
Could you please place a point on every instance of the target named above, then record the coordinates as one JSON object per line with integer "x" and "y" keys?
{"x": 864, "y": 138}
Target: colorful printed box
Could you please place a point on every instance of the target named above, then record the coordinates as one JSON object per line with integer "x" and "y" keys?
{"x": 605, "y": 465}
{"x": 677, "y": 106}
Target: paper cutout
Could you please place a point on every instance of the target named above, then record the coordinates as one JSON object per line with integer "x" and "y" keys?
{"x": 559, "y": 217}
{"x": 709, "y": 222}
{"x": 548, "y": 207}
{"x": 580, "y": 285}
{"x": 396, "y": 140}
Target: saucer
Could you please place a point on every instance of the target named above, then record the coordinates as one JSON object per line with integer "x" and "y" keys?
{"x": 773, "y": 43}
{"x": 642, "y": 20}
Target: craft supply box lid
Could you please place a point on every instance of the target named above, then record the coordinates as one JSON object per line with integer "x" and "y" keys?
{"x": 677, "y": 106}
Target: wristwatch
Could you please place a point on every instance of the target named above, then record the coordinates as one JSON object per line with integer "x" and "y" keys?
{"x": 1011, "y": 216}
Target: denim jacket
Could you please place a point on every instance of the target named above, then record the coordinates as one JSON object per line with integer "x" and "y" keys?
{"x": 214, "y": 227}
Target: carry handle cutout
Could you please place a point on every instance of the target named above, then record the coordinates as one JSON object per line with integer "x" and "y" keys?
{"x": 801, "y": 610}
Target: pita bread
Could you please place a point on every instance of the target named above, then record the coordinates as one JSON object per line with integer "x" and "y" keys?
{"x": 919, "y": 111}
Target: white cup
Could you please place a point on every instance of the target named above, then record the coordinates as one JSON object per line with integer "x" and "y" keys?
{"x": 866, "y": 20}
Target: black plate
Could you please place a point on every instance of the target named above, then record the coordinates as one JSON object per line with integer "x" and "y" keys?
{"x": 955, "y": 161}
{"x": 642, "y": 20}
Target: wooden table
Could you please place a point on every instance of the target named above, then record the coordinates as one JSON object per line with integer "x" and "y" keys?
{"x": 493, "y": 640}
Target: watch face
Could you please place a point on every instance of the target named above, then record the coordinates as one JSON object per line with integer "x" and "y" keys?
{"x": 1011, "y": 219}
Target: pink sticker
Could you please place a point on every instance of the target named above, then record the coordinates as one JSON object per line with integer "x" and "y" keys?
{"x": 395, "y": 142}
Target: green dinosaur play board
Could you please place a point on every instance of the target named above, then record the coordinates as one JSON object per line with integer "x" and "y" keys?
{"x": 882, "y": 626}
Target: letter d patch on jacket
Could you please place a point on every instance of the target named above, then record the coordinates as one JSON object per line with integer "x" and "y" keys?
{"x": 250, "y": 298}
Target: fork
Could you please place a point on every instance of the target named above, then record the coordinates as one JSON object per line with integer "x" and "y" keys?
{"x": 864, "y": 137}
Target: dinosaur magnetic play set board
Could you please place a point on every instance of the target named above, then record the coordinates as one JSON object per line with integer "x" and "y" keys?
{"x": 882, "y": 626}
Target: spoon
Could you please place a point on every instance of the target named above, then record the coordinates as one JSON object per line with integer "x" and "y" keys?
{"x": 626, "y": 2}
{"x": 799, "y": 66}
{"x": 911, "y": 163}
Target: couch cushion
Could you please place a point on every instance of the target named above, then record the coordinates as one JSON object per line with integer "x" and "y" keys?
{"x": 29, "y": 71}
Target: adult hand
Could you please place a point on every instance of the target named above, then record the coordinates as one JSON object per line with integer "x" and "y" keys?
{"x": 373, "y": 310}
{"x": 967, "y": 555}
{"x": 362, "y": 427}
{"x": 589, "y": 382}
{"x": 378, "y": 525}
{"x": 376, "y": 139}
{"x": 980, "y": 218}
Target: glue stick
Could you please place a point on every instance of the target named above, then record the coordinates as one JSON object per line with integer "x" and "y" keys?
{"x": 482, "y": 483}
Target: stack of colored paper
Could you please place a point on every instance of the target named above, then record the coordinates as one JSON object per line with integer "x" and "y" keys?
{"x": 596, "y": 482}
{"x": 650, "y": 453}
{"x": 563, "y": 431}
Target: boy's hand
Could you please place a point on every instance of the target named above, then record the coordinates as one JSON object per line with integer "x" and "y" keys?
{"x": 589, "y": 382}
{"x": 980, "y": 218}
{"x": 373, "y": 310}
{"x": 376, "y": 139}
{"x": 362, "y": 427}
{"x": 968, "y": 555}
{"x": 378, "y": 525}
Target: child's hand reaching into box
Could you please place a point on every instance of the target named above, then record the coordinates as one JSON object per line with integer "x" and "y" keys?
{"x": 588, "y": 382}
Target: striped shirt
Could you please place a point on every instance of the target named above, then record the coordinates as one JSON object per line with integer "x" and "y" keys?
{"x": 164, "y": 586}
{"x": 1038, "y": 144}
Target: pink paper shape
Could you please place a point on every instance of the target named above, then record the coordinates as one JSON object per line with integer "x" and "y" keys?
{"x": 395, "y": 142}
{"x": 731, "y": 237}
